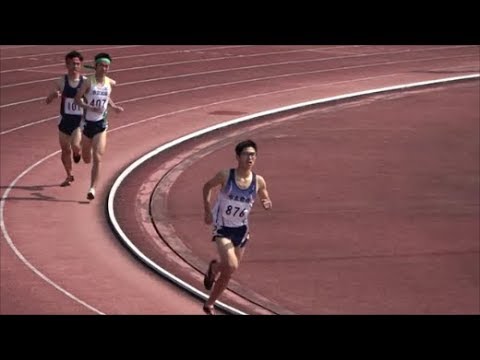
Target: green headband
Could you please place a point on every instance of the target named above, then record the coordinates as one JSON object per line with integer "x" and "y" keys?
{"x": 107, "y": 60}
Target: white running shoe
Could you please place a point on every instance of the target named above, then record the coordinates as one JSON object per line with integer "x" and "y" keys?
{"x": 91, "y": 194}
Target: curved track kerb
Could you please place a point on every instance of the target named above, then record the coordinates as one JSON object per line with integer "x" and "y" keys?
{"x": 125, "y": 173}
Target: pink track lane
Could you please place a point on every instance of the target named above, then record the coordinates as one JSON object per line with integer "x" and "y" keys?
{"x": 376, "y": 206}
{"x": 69, "y": 241}
{"x": 251, "y": 80}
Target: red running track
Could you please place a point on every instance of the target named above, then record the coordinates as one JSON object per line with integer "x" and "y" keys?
{"x": 376, "y": 206}
{"x": 58, "y": 254}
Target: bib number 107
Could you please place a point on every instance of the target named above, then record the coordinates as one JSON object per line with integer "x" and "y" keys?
{"x": 71, "y": 107}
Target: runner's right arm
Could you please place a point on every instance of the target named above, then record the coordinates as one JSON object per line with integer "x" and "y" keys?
{"x": 56, "y": 91}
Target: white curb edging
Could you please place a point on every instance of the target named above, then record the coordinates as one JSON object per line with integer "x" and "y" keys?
{"x": 111, "y": 195}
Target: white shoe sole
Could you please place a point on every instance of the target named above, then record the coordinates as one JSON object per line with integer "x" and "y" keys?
{"x": 91, "y": 194}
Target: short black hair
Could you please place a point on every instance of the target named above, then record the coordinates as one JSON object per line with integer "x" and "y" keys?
{"x": 103, "y": 55}
{"x": 244, "y": 144}
{"x": 73, "y": 54}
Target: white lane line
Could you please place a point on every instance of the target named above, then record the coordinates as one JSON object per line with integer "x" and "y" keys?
{"x": 149, "y": 155}
{"x": 171, "y": 63}
{"x": 17, "y": 252}
{"x": 258, "y": 66}
{"x": 117, "y": 183}
{"x": 65, "y": 51}
{"x": 251, "y": 55}
{"x": 205, "y": 87}
{"x": 127, "y": 57}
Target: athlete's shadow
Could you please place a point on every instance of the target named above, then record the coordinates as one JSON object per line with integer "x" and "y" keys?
{"x": 37, "y": 195}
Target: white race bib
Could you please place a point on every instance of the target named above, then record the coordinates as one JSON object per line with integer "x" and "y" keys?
{"x": 235, "y": 213}
{"x": 71, "y": 107}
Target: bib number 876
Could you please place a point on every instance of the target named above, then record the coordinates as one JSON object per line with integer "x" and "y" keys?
{"x": 230, "y": 208}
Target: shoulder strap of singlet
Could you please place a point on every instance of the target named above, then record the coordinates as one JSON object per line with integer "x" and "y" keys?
{"x": 253, "y": 185}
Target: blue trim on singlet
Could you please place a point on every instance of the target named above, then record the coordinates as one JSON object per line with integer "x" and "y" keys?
{"x": 231, "y": 192}
{"x": 235, "y": 190}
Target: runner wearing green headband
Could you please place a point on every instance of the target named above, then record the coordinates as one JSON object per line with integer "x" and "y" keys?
{"x": 105, "y": 60}
{"x": 96, "y": 90}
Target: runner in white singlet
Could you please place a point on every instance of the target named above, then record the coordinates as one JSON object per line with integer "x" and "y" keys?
{"x": 94, "y": 97}
{"x": 229, "y": 216}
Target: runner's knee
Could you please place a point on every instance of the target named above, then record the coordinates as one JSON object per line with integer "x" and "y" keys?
{"x": 65, "y": 149}
{"x": 231, "y": 266}
{"x": 97, "y": 157}
{"x": 86, "y": 157}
